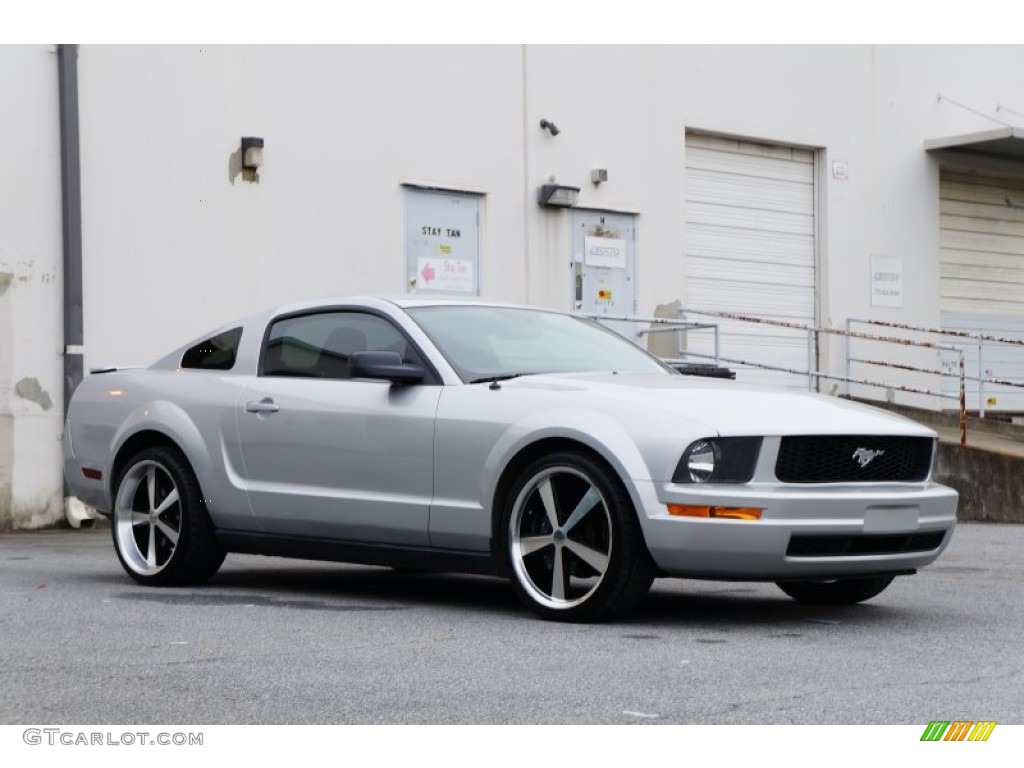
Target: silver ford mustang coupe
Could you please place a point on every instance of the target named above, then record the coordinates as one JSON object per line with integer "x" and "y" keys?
{"x": 500, "y": 439}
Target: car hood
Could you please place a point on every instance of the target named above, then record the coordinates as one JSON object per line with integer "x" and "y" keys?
{"x": 724, "y": 406}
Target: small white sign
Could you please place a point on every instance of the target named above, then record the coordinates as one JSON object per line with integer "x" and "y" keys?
{"x": 886, "y": 281}
{"x": 607, "y": 252}
{"x": 451, "y": 275}
{"x": 840, "y": 170}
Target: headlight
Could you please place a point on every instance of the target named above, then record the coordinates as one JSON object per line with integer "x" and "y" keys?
{"x": 718, "y": 460}
{"x": 700, "y": 461}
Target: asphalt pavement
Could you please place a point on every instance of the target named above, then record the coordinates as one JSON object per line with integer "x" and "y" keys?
{"x": 283, "y": 641}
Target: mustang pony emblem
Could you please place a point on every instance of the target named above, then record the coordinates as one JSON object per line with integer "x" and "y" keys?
{"x": 865, "y": 456}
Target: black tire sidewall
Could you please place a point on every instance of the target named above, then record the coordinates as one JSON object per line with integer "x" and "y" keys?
{"x": 629, "y": 565}
{"x": 197, "y": 555}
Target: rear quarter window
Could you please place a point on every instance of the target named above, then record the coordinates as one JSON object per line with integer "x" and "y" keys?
{"x": 216, "y": 353}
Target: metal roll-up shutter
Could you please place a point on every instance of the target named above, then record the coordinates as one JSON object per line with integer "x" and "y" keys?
{"x": 750, "y": 249}
{"x": 981, "y": 222}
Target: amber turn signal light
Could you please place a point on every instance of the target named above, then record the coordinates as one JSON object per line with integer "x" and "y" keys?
{"x": 732, "y": 513}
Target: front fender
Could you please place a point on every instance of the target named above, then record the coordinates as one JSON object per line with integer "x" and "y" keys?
{"x": 480, "y": 432}
{"x": 602, "y": 435}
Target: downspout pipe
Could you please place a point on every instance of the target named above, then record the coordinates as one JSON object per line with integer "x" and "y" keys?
{"x": 71, "y": 215}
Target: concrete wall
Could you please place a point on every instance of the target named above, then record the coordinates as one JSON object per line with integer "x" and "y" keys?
{"x": 177, "y": 240}
{"x": 990, "y": 483}
{"x": 30, "y": 289}
{"x": 174, "y": 235}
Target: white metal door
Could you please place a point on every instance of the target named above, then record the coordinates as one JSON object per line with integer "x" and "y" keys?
{"x": 981, "y": 221}
{"x": 750, "y": 249}
{"x": 442, "y": 242}
{"x": 604, "y": 264}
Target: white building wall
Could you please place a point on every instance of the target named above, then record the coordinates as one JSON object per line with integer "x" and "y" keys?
{"x": 176, "y": 241}
{"x": 346, "y": 126}
{"x": 31, "y": 293}
{"x": 617, "y": 109}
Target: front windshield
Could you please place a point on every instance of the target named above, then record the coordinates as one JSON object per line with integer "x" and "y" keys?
{"x": 483, "y": 342}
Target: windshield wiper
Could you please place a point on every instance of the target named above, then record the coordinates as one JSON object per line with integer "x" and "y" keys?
{"x": 496, "y": 379}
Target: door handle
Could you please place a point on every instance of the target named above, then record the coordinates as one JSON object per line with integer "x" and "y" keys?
{"x": 266, "y": 405}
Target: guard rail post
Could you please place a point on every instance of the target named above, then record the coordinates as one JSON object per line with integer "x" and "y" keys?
{"x": 981, "y": 376}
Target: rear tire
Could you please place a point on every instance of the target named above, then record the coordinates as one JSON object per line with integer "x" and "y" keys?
{"x": 162, "y": 533}
{"x": 571, "y": 541}
{"x": 837, "y": 592}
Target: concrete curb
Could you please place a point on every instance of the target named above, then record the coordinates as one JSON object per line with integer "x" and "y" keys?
{"x": 990, "y": 484}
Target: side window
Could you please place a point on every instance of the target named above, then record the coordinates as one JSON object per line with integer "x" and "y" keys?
{"x": 319, "y": 345}
{"x": 216, "y": 353}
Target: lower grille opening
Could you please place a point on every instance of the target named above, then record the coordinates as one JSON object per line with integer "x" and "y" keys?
{"x": 854, "y": 545}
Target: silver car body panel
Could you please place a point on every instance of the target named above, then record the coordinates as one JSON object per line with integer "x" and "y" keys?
{"x": 420, "y": 466}
{"x": 341, "y": 459}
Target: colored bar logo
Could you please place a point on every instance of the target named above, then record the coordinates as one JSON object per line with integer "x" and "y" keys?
{"x": 958, "y": 730}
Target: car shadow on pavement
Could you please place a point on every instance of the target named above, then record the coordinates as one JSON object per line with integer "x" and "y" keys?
{"x": 733, "y": 606}
{"x": 304, "y": 585}
{"x": 386, "y": 587}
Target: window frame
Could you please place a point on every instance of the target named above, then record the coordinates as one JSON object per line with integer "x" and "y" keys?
{"x": 431, "y": 379}
{"x": 240, "y": 330}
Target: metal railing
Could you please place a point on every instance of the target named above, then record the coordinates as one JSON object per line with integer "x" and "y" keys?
{"x": 812, "y": 372}
{"x": 973, "y": 338}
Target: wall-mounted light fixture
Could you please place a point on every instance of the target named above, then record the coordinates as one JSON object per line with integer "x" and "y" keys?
{"x": 557, "y": 196}
{"x": 598, "y": 175}
{"x": 252, "y": 152}
{"x": 549, "y": 126}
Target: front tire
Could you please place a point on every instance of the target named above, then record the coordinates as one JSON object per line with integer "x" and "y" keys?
{"x": 162, "y": 534}
{"x": 571, "y": 541}
{"x": 837, "y": 592}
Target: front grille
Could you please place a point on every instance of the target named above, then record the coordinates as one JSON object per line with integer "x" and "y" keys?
{"x": 852, "y": 546}
{"x": 853, "y": 459}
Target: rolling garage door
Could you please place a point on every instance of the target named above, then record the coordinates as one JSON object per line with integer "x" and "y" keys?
{"x": 981, "y": 222}
{"x": 750, "y": 249}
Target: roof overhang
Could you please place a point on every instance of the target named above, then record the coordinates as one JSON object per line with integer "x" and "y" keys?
{"x": 995, "y": 149}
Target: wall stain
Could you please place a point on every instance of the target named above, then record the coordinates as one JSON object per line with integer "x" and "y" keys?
{"x": 666, "y": 344}
{"x": 6, "y": 511}
{"x": 30, "y": 389}
{"x": 6, "y": 278}
{"x": 43, "y": 511}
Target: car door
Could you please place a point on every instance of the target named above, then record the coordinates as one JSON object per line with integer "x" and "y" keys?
{"x": 331, "y": 457}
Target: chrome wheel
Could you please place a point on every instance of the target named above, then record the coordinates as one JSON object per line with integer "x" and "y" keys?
{"x": 162, "y": 532}
{"x": 560, "y": 538}
{"x": 147, "y": 518}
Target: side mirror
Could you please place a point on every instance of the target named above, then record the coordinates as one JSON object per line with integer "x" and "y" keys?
{"x": 384, "y": 365}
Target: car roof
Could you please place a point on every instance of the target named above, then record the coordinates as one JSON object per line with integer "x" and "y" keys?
{"x": 403, "y": 302}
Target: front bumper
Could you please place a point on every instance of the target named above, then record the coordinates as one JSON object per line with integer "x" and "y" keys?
{"x": 760, "y": 550}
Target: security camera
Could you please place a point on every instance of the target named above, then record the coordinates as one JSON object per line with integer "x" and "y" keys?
{"x": 552, "y": 128}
